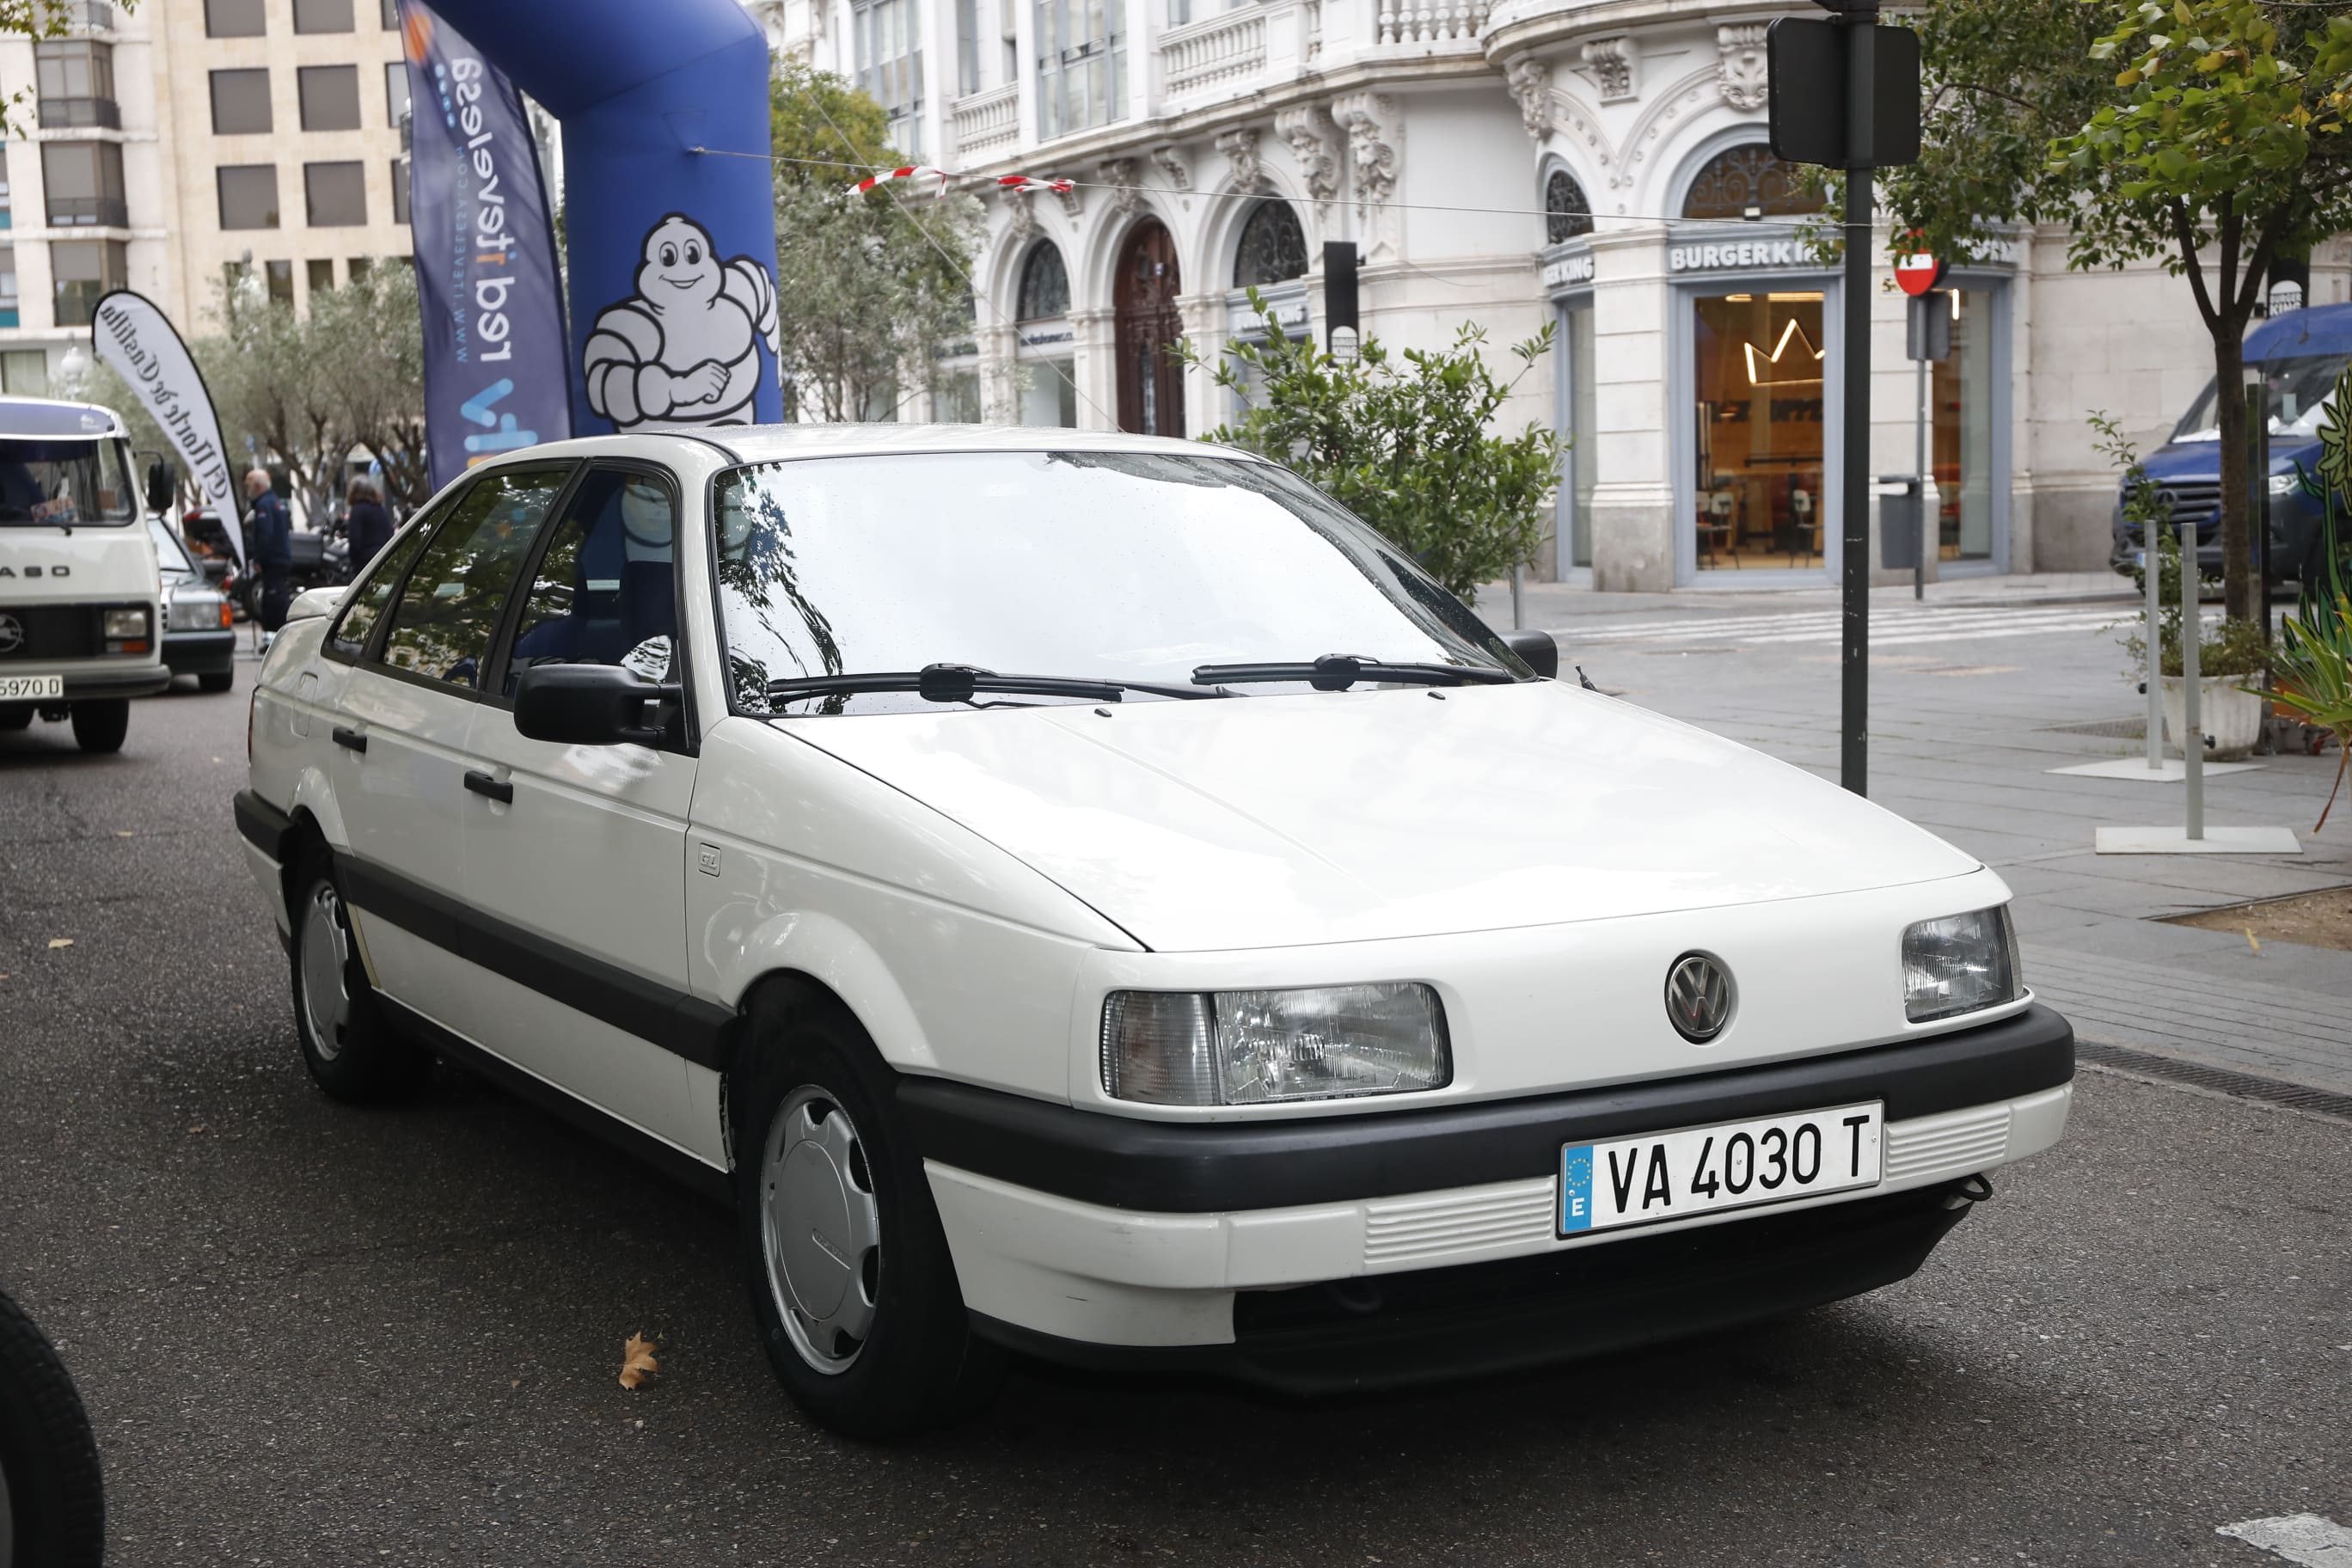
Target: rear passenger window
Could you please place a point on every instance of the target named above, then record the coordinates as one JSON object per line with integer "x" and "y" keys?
{"x": 364, "y": 605}
{"x": 605, "y": 592}
{"x": 449, "y": 611}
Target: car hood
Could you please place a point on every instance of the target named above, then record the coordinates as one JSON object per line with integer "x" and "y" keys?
{"x": 1292, "y": 820}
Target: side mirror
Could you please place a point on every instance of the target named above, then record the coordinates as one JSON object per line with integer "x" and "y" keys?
{"x": 161, "y": 483}
{"x": 591, "y": 705}
{"x": 1536, "y": 650}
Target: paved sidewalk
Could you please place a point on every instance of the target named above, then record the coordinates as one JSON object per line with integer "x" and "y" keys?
{"x": 1970, "y": 707}
{"x": 1555, "y": 605}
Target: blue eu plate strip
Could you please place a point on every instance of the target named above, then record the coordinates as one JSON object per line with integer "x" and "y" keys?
{"x": 1576, "y": 1188}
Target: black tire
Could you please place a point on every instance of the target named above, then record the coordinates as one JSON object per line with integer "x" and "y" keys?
{"x": 220, "y": 682}
{"x": 364, "y": 1059}
{"x": 52, "y": 1496}
{"x": 99, "y": 727}
{"x": 917, "y": 1363}
{"x": 15, "y": 715}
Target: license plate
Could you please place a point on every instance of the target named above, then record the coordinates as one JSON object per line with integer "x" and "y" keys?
{"x": 1733, "y": 1164}
{"x": 24, "y": 688}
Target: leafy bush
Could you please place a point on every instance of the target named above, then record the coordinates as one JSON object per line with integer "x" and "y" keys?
{"x": 2236, "y": 648}
{"x": 1403, "y": 446}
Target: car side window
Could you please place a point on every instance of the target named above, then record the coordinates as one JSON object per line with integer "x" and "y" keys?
{"x": 363, "y": 606}
{"x": 450, "y": 608}
{"x": 605, "y": 591}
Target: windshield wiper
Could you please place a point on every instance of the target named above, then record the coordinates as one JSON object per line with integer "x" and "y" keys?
{"x": 961, "y": 682}
{"x": 1338, "y": 671}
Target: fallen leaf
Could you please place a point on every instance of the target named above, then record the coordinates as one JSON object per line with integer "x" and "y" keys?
{"x": 637, "y": 1363}
{"x": 122, "y": 833}
{"x": 199, "y": 1127}
{"x": 2253, "y": 944}
{"x": 57, "y": 941}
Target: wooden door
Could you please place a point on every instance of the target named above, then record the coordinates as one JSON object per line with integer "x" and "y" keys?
{"x": 1151, "y": 378}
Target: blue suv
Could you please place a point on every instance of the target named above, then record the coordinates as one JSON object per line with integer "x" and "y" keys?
{"x": 2301, "y": 354}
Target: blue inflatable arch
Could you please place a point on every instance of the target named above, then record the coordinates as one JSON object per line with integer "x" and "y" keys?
{"x": 637, "y": 85}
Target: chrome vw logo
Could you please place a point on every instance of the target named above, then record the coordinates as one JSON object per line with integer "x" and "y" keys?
{"x": 12, "y": 634}
{"x": 1698, "y": 997}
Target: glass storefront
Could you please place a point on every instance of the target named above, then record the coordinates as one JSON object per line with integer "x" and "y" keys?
{"x": 1580, "y": 466}
{"x": 1961, "y": 447}
{"x": 1757, "y": 424}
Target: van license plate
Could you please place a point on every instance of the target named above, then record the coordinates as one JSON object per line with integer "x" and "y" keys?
{"x": 1733, "y": 1164}
{"x": 29, "y": 687}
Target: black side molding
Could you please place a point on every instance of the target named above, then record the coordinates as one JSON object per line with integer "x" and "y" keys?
{"x": 1165, "y": 1167}
{"x": 674, "y": 1020}
{"x": 262, "y": 825}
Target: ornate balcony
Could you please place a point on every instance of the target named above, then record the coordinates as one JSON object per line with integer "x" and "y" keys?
{"x": 1227, "y": 51}
{"x": 66, "y": 113}
{"x": 987, "y": 123}
{"x": 1432, "y": 21}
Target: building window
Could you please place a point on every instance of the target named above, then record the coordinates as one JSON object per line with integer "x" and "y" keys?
{"x": 85, "y": 269}
{"x": 1566, "y": 212}
{"x": 8, "y": 312}
{"x": 241, "y": 102}
{"x": 1273, "y": 247}
{"x": 7, "y": 218}
{"x": 1747, "y": 181}
{"x": 248, "y": 195}
{"x": 282, "y": 282}
{"x": 84, "y": 180}
{"x": 890, "y": 66}
{"x": 75, "y": 83}
{"x": 25, "y": 373}
{"x": 335, "y": 194}
{"x": 400, "y": 190}
{"x": 967, "y": 46}
{"x": 1081, "y": 64}
{"x": 331, "y": 96}
{"x": 1044, "y": 284}
{"x": 391, "y": 14}
{"x": 235, "y": 19}
{"x": 322, "y": 274}
{"x": 322, "y": 16}
{"x": 359, "y": 266}
{"x": 396, "y": 93}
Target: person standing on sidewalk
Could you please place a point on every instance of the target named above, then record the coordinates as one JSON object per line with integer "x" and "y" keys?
{"x": 369, "y": 525}
{"x": 273, "y": 549}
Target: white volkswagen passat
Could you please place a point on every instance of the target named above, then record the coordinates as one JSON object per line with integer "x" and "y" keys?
{"x": 1089, "y": 895}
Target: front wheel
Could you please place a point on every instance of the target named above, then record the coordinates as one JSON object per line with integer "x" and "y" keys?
{"x": 852, "y": 1283}
{"x": 99, "y": 727}
{"x": 353, "y": 1052}
{"x": 52, "y": 1497}
{"x": 15, "y": 715}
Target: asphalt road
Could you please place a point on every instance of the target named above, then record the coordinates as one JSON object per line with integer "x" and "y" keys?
{"x": 310, "y": 1335}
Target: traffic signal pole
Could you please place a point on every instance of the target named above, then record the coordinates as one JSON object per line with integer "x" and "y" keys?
{"x": 1861, "y": 26}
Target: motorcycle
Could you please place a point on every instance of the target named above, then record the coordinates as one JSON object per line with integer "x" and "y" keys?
{"x": 52, "y": 1495}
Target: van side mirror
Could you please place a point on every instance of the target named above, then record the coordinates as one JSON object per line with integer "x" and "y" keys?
{"x": 593, "y": 705}
{"x": 162, "y": 482}
{"x": 1536, "y": 650}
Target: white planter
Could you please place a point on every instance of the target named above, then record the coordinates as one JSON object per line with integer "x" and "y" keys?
{"x": 2226, "y": 711}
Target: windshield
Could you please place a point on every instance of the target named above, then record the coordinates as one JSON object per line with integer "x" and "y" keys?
{"x": 2298, "y": 392}
{"x": 1110, "y": 565}
{"x": 70, "y": 482}
{"x": 169, "y": 554}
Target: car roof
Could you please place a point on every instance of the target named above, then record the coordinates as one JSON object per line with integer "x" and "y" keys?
{"x": 783, "y": 442}
{"x": 53, "y": 417}
{"x": 2321, "y": 330}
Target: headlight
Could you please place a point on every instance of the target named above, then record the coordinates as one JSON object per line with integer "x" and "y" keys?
{"x": 1254, "y": 1047}
{"x": 1959, "y": 965}
{"x": 2282, "y": 484}
{"x": 197, "y": 612}
{"x": 122, "y": 624}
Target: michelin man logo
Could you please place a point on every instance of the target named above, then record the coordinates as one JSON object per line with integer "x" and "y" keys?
{"x": 685, "y": 348}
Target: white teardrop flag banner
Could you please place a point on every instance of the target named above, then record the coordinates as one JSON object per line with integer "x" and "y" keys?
{"x": 139, "y": 342}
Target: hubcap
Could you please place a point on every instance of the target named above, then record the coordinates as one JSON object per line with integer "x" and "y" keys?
{"x": 822, "y": 1229}
{"x": 326, "y": 957}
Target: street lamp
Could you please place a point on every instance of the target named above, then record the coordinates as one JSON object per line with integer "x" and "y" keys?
{"x": 74, "y": 366}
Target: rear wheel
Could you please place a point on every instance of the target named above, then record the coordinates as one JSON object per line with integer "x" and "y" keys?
{"x": 52, "y": 1498}
{"x": 349, "y": 1046}
{"x": 99, "y": 727}
{"x": 851, "y": 1280}
{"x": 221, "y": 681}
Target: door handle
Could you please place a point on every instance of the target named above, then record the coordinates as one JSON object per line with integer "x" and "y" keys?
{"x": 483, "y": 783}
{"x": 350, "y": 739}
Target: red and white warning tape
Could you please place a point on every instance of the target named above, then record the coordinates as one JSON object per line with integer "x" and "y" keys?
{"x": 1022, "y": 183}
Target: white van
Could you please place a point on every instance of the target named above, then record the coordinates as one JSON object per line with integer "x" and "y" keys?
{"x": 81, "y": 628}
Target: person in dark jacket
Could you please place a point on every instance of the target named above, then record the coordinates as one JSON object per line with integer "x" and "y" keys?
{"x": 273, "y": 548}
{"x": 369, "y": 525}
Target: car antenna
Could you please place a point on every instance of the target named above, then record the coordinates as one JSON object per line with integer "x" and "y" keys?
{"x": 1583, "y": 679}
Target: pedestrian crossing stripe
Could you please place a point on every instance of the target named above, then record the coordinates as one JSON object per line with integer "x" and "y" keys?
{"x": 1888, "y": 628}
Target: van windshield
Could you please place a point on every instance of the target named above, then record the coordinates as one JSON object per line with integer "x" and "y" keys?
{"x": 2298, "y": 393}
{"x": 46, "y": 483}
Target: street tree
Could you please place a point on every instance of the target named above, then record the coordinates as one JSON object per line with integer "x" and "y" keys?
{"x": 878, "y": 283}
{"x": 2210, "y": 133}
{"x": 1401, "y": 440}
{"x": 367, "y": 344}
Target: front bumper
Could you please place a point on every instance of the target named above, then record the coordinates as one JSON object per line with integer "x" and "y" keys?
{"x": 85, "y": 684}
{"x": 1098, "y": 1237}
{"x": 200, "y": 653}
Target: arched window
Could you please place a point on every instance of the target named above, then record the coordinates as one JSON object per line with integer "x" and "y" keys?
{"x": 1273, "y": 247}
{"x": 1044, "y": 285}
{"x": 1566, "y": 212}
{"x": 1740, "y": 178}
